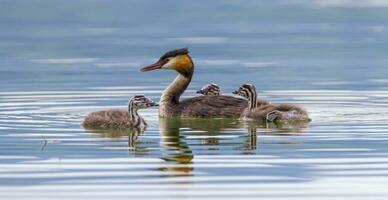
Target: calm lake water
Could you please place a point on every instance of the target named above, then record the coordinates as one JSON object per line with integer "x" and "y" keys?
{"x": 60, "y": 60}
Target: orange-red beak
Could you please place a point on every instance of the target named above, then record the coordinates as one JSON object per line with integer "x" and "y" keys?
{"x": 154, "y": 66}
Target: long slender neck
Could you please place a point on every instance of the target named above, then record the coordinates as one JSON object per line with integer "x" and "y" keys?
{"x": 134, "y": 117}
{"x": 252, "y": 98}
{"x": 173, "y": 92}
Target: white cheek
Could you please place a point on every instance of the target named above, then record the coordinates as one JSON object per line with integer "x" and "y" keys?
{"x": 169, "y": 65}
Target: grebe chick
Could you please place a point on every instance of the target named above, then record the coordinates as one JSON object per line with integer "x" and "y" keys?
{"x": 210, "y": 89}
{"x": 269, "y": 112}
{"x": 213, "y": 89}
{"x": 116, "y": 118}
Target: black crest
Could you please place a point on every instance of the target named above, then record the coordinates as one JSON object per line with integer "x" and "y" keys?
{"x": 175, "y": 52}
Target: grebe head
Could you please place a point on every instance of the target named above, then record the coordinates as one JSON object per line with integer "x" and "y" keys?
{"x": 210, "y": 89}
{"x": 140, "y": 102}
{"x": 245, "y": 90}
{"x": 177, "y": 59}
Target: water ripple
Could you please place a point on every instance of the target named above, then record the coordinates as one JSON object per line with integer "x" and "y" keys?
{"x": 42, "y": 144}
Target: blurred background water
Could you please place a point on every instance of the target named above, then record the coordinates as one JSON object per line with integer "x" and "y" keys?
{"x": 60, "y": 60}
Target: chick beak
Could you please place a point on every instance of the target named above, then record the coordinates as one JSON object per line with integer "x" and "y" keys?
{"x": 154, "y": 66}
{"x": 199, "y": 92}
{"x": 235, "y": 92}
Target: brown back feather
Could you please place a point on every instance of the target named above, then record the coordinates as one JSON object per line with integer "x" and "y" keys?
{"x": 212, "y": 106}
{"x": 114, "y": 118}
{"x": 262, "y": 111}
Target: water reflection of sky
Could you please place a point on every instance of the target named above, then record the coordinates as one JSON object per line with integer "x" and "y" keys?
{"x": 44, "y": 146}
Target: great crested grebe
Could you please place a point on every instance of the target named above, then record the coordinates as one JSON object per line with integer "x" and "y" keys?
{"x": 269, "y": 112}
{"x": 210, "y": 89}
{"x": 116, "y": 118}
{"x": 201, "y": 106}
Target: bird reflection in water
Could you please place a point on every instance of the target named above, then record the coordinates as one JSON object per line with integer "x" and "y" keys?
{"x": 213, "y": 136}
{"x": 132, "y": 134}
{"x": 175, "y": 150}
{"x": 251, "y": 143}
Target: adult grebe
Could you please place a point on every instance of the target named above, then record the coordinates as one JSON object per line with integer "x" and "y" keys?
{"x": 201, "y": 106}
{"x": 116, "y": 118}
{"x": 269, "y": 112}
